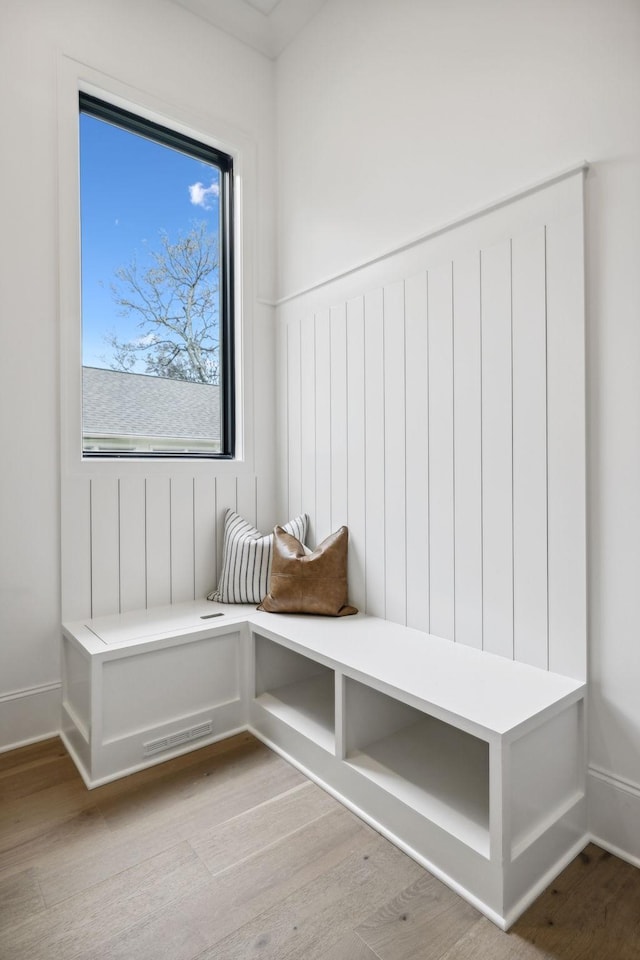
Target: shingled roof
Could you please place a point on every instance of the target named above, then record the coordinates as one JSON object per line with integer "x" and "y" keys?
{"x": 116, "y": 404}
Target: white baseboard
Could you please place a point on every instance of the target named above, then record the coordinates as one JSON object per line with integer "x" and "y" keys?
{"x": 27, "y": 716}
{"x": 614, "y": 814}
{"x": 471, "y": 898}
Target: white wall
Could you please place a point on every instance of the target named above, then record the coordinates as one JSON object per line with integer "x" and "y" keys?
{"x": 396, "y": 118}
{"x": 196, "y": 70}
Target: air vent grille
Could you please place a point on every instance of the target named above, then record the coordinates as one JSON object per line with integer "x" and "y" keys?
{"x": 177, "y": 739}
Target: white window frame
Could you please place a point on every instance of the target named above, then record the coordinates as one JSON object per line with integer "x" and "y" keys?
{"x": 74, "y": 77}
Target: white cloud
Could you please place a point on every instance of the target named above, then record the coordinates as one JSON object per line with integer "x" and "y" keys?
{"x": 146, "y": 341}
{"x": 202, "y": 196}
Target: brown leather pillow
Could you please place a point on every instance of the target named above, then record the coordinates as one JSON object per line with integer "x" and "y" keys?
{"x": 309, "y": 583}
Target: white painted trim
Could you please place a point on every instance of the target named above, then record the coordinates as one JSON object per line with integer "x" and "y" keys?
{"x": 581, "y": 167}
{"x": 387, "y": 834}
{"x": 620, "y": 783}
{"x": 615, "y": 851}
{"x": 32, "y": 710}
{"x": 548, "y": 878}
{"x": 30, "y": 691}
{"x": 561, "y": 811}
{"x": 76, "y": 759}
{"x": 74, "y": 76}
{"x": 504, "y": 923}
{"x": 149, "y": 761}
{"x": 613, "y": 813}
{"x": 51, "y": 735}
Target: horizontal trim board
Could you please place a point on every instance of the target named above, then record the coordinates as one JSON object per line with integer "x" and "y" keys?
{"x": 620, "y": 783}
{"x": 525, "y": 902}
{"x": 616, "y": 851}
{"x": 614, "y": 814}
{"x": 49, "y": 735}
{"x": 30, "y": 691}
{"x": 582, "y": 166}
{"x": 150, "y": 761}
{"x": 29, "y": 715}
{"x": 521, "y": 846}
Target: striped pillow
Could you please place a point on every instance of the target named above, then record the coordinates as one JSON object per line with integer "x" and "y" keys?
{"x": 246, "y": 559}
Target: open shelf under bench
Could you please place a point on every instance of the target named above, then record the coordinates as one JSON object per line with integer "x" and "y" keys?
{"x": 436, "y": 769}
{"x": 471, "y": 763}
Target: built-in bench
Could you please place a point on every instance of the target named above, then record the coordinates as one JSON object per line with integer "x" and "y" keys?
{"x": 471, "y": 763}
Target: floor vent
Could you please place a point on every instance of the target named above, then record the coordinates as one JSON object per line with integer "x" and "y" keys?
{"x": 177, "y": 739}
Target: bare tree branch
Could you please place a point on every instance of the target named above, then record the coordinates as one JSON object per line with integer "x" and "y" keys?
{"x": 176, "y": 304}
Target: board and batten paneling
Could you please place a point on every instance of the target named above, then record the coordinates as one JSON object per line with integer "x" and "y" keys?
{"x": 417, "y": 452}
{"x": 467, "y": 453}
{"x": 436, "y": 406}
{"x": 356, "y": 516}
{"x": 497, "y": 449}
{"x": 374, "y": 600}
{"x": 441, "y": 461}
{"x": 139, "y": 541}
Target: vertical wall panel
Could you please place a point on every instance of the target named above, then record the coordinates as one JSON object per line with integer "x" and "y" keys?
{"x": 105, "y": 546}
{"x": 273, "y": 496}
{"x": 182, "y": 546}
{"x": 566, "y": 439}
{"x": 417, "y": 451}
{"x": 529, "y": 450}
{"x": 133, "y": 547}
{"x": 76, "y": 548}
{"x": 323, "y": 429}
{"x": 497, "y": 505}
{"x": 441, "y": 512}
{"x": 205, "y": 536}
{"x": 308, "y": 417}
{"x": 269, "y": 510}
{"x": 294, "y": 494}
{"x": 145, "y": 541}
{"x": 467, "y": 450}
{"x": 158, "y": 527}
{"x": 356, "y": 468}
{"x": 375, "y": 453}
{"x": 394, "y": 453}
{"x": 226, "y": 499}
{"x": 246, "y": 497}
{"x": 339, "y": 415}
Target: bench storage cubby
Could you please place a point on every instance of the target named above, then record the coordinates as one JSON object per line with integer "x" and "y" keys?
{"x": 471, "y": 763}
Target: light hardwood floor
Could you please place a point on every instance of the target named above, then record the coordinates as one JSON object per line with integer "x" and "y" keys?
{"x": 229, "y": 852}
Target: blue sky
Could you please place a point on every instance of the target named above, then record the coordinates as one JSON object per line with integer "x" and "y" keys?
{"x": 131, "y": 189}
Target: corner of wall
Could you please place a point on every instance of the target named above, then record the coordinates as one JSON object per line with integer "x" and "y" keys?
{"x": 614, "y": 814}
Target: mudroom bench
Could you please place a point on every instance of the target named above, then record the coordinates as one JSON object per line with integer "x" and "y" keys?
{"x": 471, "y": 763}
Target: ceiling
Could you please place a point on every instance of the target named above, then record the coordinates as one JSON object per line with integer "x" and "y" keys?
{"x": 264, "y": 6}
{"x": 266, "y": 25}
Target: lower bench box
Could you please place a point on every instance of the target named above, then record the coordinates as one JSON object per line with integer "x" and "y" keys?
{"x": 142, "y": 687}
{"x": 472, "y": 764}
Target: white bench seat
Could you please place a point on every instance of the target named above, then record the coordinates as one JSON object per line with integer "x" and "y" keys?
{"x": 471, "y": 763}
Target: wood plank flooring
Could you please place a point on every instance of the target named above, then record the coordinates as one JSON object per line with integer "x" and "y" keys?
{"x": 229, "y": 853}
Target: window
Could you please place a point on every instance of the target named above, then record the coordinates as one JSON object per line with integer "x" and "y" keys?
{"x": 157, "y": 289}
